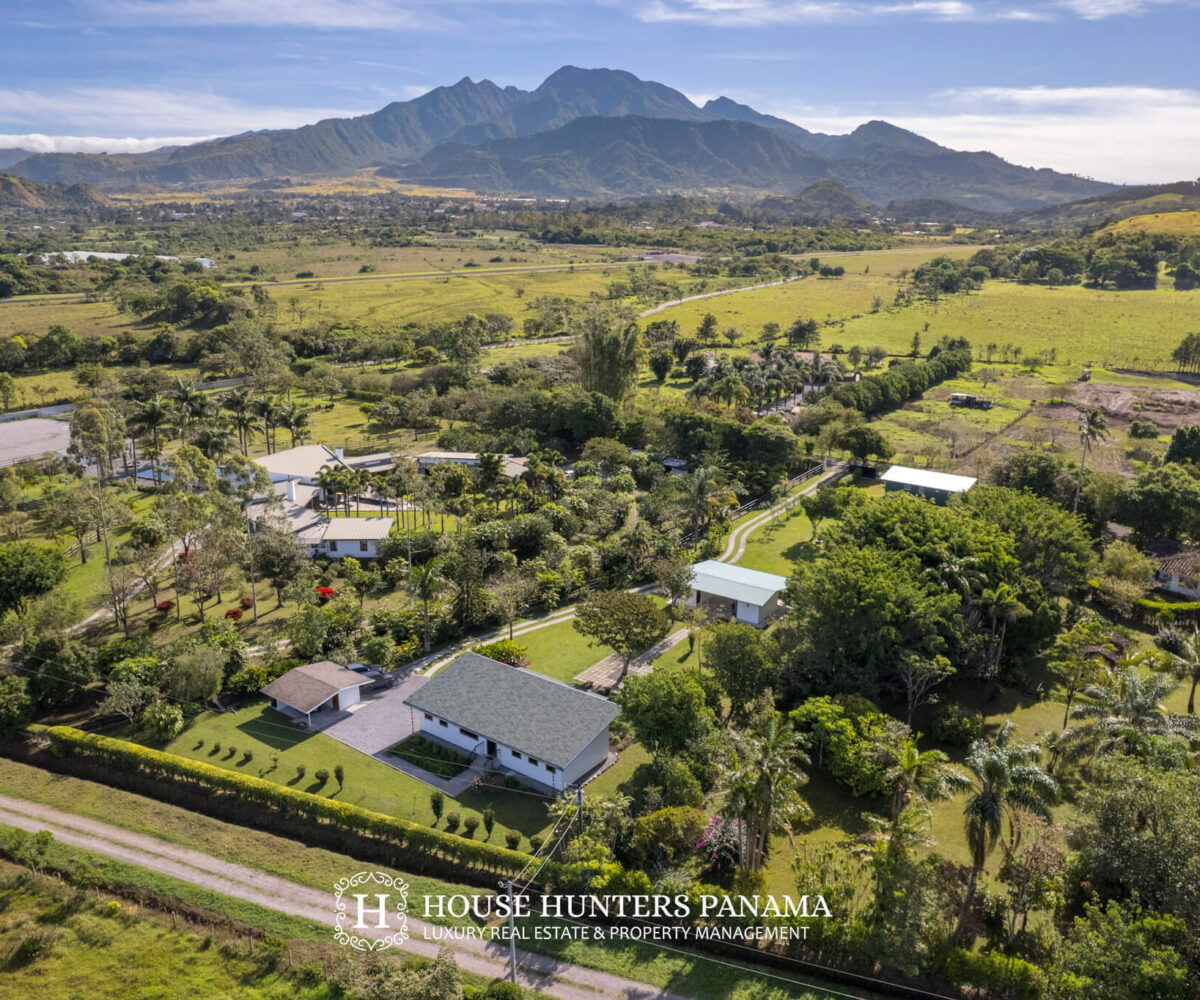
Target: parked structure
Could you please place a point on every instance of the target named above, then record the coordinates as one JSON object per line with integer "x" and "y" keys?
{"x": 1177, "y": 568}
{"x": 935, "y": 486}
{"x": 542, "y": 730}
{"x": 971, "y": 401}
{"x": 744, "y": 595}
{"x": 323, "y": 686}
{"x": 510, "y": 466}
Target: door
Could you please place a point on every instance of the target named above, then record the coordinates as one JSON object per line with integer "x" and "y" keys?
{"x": 491, "y": 748}
{"x": 336, "y": 701}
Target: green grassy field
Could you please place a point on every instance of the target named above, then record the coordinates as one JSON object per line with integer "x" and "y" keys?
{"x": 867, "y": 276}
{"x": 370, "y": 783}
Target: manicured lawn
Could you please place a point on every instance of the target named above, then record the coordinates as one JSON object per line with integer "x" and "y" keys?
{"x": 777, "y": 549}
{"x": 433, "y": 757}
{"x": 560, "y": 652}
{"x": 279, "y": 748}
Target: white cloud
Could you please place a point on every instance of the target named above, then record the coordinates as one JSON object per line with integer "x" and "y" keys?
{"x": 375, "y": 15}
{"x": 765, "y": 13}
{"x": 86, "y": 111}
{"x": 1127, "y": 134}
{"x": 36, "y": 142}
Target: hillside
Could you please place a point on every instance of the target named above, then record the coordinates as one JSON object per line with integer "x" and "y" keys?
{"x": 10, "y": 156}
{"x": 16, "y": 192}
{"x": 454, "y": 136}
{"x": 1185, "y": 223}
{"x": 1124, "y": 203}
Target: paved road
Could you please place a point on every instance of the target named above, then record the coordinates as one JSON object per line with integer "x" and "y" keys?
{"x": 558, "y": 979}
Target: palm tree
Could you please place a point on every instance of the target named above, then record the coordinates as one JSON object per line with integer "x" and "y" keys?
{"x": 705, "y": 492}
{"x": 425, "y": 583}
{"x": 188, "y": 397}
{"x": 488, "y": 471}
{"x": 267, "y": 408}
{"x": 214, "y": 441}
{"x": 1006, "y": 778}
{"x": 1184, "y": 650}
{"x": 922, "y": 776}
{"x": 762, "y": 785}
{"x": 246, "y": 425}
{"x": 1004, "y": 609}
{"x": 330, "y": 479}
{"x": 1093, "y": 428}
{"x": 295, "y": 418}
{"x": 1126, "y": 712}
{"x": 153, "y": 416}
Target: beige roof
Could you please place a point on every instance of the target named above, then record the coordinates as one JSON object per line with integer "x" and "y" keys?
{"x": 308, "y": 687}
{"x": 353, "y": 529}
{"x": 306, "y": 461}
{"x": 510, "y": 465}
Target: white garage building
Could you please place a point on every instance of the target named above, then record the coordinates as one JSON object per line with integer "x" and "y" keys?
{"x": 745, "y": 595}
{"x": 323, "y": 686}
{"x": 542, "y": 730}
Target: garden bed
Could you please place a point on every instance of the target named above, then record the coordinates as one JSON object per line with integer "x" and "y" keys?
{"x": 430, "y": 756}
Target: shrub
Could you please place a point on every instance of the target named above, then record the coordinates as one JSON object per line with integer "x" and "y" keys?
{"x": 339, "y": 773}
{"x": 844, "y": 731}
{"x": 301, "y": 770}
{"x": 118, "y": 756}
{"x": 430, "y": 756}
{"x": 512, "y": 840}
{"x": 162, "y": 607}
{"x": 957, "y": 725}
{"x": 162, "y": 722}
{"x": 470, "y": 825}
{"x": 535, "y": 842}
{"x": 489, "y": 819}
{"x": 234, "y": 614}
{"x": 503, "y": 990}
{"x": 437, "y": 802}
{"x": 322, "y": 776}
{"x": 1143, "y": 429}
{"x": 452, "y": 820}
{"x": 324, "y": 594}
{"x": 506, "y": 651}
{"x": 246, "y": 601}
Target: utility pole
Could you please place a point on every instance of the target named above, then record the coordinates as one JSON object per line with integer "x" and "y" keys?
{"x": 512, "y": 935}
{"x": 579, "y": 807}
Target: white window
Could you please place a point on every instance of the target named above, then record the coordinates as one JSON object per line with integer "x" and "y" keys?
{"x": 516, "y": 755}
{"x": 550, "y": 769}
{"x": 428, "y": 716}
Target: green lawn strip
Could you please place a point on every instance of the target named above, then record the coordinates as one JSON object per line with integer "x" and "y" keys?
{"x": 96, "y": 954}
{"x": 370, "y": 783}
{"x": 127, "y": 957}
{"x": 433, "y": 757}
{"x": 560, "y": 652}
{"x": 775, "y": 546}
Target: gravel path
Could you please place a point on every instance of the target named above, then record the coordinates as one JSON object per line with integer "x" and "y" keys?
{"x": 558, "y": 979}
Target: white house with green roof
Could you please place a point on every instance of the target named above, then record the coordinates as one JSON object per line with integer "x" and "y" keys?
{"x": 542, "y": 730}
{"x": 745, "y": 595}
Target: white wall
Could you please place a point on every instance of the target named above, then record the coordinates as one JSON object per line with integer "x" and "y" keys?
{"x": 352, "y": 548}
{"x": 593, "y": 755}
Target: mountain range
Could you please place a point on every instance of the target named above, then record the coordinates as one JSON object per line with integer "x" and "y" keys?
{"x": 587, "y": 133}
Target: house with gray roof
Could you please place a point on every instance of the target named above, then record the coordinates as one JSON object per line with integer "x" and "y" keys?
{"x": 743, "y": 595}
{"x": 544, "y": 731}
{"x": 323, "y": 686}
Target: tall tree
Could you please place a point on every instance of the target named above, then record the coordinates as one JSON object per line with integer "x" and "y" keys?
{"x": 627, "y": 623}
{"x": 608, "y": 350}
{"x": 1093, "y": 428}
{"x": 425, "y": 583}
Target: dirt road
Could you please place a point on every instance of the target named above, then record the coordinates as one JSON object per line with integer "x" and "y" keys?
{"x": 558, "y": 979}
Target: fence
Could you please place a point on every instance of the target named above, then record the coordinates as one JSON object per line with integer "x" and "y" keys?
{"x": 762, "y": 501}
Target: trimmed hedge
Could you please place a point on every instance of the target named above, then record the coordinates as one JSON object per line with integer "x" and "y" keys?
{"x": 1170, "y": 611}
{"x": 66, "y": 741}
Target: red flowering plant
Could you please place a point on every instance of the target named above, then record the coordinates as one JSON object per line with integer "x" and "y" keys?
{"x": 324, "y": 593}
{"x": 234, "y": 614}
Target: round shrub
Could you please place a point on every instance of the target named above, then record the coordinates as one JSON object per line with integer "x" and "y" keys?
{"x": 535, "y": 842}
{"x": 452, "y": 820}
{"x": 321, "y": 775}
{"x": 512, "y": 840}
{"x": 957, "y": 725}
{"x": 470, "y": 825}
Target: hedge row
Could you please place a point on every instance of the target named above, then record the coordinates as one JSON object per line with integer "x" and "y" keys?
{"x": 66, "y": 741}
{"x": 1168, "y": 611}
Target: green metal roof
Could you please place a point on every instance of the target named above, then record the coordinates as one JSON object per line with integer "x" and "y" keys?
{"x": 541, "y": 717}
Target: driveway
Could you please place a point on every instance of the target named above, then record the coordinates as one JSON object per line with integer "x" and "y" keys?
{"x": 379, "y": 720}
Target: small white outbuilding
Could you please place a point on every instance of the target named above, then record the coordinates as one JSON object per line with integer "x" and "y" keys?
{"x": 744, "y": 595}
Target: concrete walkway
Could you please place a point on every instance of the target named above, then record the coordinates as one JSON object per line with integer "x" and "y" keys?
{"x": 606, "y": 675}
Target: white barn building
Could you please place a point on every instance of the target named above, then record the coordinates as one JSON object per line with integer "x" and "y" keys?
{"x": 542, "y": 730}
{"x": 935, "y": 486}
{"x": 744, "y": 595}
{"x": 323, "y": 686}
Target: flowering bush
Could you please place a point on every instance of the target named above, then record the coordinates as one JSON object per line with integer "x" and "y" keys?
{"x": 721, "y": 845}
{"x": 162, "y": 607}
{"x": 234, "y": 614}
{"x": 506, "y": 651}
{"x": 246, "y": 602}
{"x": 324, "y": 593}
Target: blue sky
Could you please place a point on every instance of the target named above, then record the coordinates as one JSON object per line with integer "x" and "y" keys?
{"x": 1105, "y": 88}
